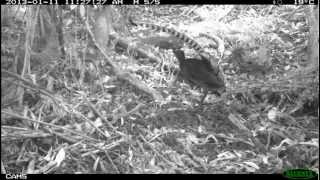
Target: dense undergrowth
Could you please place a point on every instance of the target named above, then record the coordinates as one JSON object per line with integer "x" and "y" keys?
{"x": 74, "y": 112}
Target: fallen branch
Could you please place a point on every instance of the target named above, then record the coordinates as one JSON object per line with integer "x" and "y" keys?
{"x": 122, "y": 74}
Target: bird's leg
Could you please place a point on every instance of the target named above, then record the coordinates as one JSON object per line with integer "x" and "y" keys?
{"x": 204, "y": 96}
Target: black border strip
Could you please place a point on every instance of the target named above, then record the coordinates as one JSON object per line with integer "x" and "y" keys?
{"x": 161, "y": 176}
{"x": 157, "y": 2}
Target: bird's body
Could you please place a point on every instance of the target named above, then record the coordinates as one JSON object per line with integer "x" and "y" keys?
{"x": 200, "y": 73}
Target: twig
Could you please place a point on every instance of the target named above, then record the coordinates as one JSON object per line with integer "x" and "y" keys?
{"x": 123, "y": 74}
{"x": 98, "y": 113}
{"x": 30, "y": 85}
{"x": 113, "y": 165}
{"x": 48, "y": 124}
{"x": 116, "y": 117}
